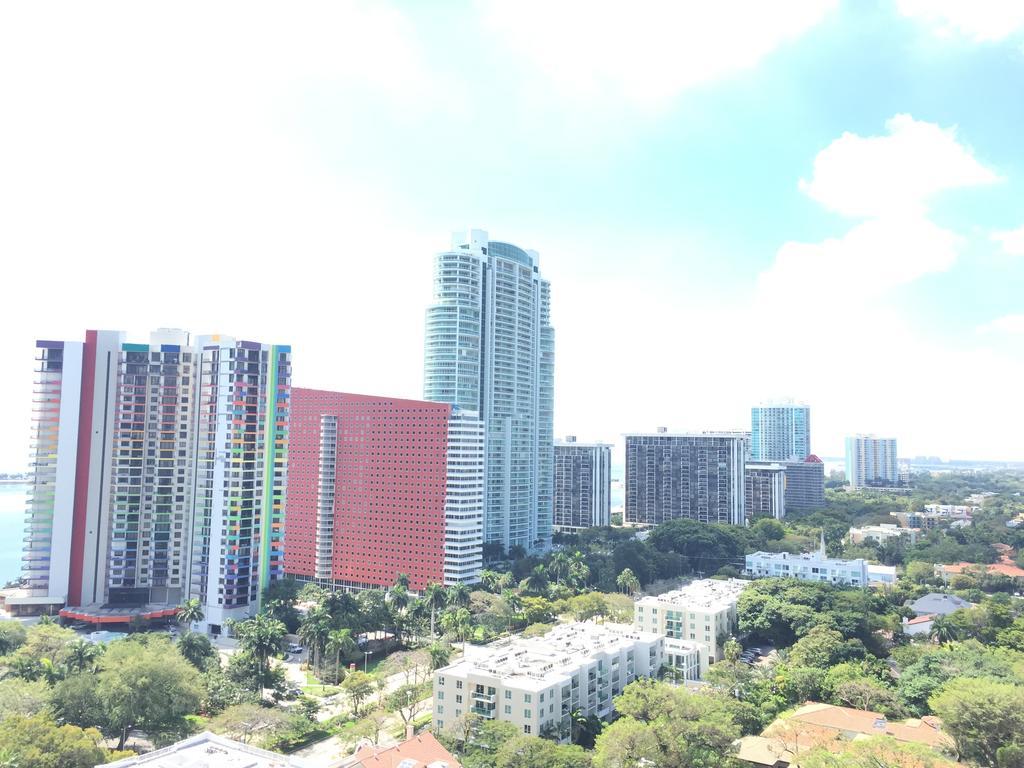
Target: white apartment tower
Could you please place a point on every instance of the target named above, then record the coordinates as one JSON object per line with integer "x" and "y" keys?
{"x": 464, "y": 499}
{"x": 490, "y": 349}
{"x": 871, "y": 461}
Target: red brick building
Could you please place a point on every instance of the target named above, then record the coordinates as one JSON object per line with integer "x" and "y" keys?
{"x": 367, "y": 490}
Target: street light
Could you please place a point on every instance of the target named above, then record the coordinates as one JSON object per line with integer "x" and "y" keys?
{"x": 366, "y": 657}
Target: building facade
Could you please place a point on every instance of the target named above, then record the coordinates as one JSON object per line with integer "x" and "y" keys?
{"x": 882, "y": 533}
{"x": 693, "y": 476}
{"x": 583, "y": 485}
{"x": 490, "y": 350}
{"x": 765, "y": 491}
{"x": 380, "y": 486}
{"x": 180, "y": 455}
{"x": 536, "y": 683}
{"x": 871, "y": 461}
{"x": 805, "y": 484}
{"x": 702, "y": 613}
{"x": 813, "y": 566}
{"x": 780, "y": 431}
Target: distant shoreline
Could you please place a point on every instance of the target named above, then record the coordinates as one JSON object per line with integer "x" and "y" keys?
{"x": 15, "y": 482}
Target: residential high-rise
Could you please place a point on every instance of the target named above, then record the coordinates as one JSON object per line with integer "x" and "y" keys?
{"x": 583, "y": 485}
{"x": 871, "y": 461}
{"x": 179, "y": 457}
{"x": 490, "y": 350}
{"x": 805, "y": 484}
{"x": 765, "y": 492}
{"x": 780, "y": 431}
{"x": 380, "y": 486}
{"x": 694, "y": 476}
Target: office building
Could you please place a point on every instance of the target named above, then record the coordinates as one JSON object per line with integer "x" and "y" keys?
{"x": 380, "y": 486}
{"x": 780, "y": 431}
{"x": 536, "y": 683}
{"x": 693, "y": 476}
{"x": 490, "y": 350}
{"x": 805, "y": 484}
{"x": 702, "y": 613}
{"x": 583, "y": 485}
{"x": 765, "y": 491}
{"x": 882, "y": 533}
{"x": 871, "y": 461}
{"x": 180, "y": 458}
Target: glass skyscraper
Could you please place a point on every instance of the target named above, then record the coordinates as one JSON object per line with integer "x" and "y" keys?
{"x": 780, "y": 431}
{"x": 490, "y": 349}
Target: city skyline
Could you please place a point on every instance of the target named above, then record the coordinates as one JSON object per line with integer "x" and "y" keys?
{"x": 665, "y": 184}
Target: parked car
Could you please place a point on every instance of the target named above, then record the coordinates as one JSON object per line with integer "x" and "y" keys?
{"x": 295, "y": 648}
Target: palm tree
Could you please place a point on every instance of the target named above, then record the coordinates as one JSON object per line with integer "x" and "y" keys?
{"x": 402, "y": 580}
{"x": 579, "y": 571}
{"x": 313, "y": 630}
{"x": 457, "y": 622}
{"x": 341, "y": 643}
{"x": 81, "y": 654}
{"x": 458, "y": 596}
{"x": 191, "y": 612}
{"x": 560, "y": 565}
{"x": 196, "y": 648}
{"x": 627, "y": 581}
{"x": 537, "y": 582}
{"x": 440, "y": 653}
{"x": 489, "y": 579}
{"x": 398, "y": 597}
{"x": 434, "y": 596}
{"x": 515, "y": 604}
{"x": 52, "y": 672}
{"x": 942, "y": 630}
{"x": 261, "y": 636}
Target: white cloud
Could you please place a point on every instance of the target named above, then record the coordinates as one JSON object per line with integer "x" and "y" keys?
{"x": 1012, "y": 241}
{"x": 979, "y": 20}
{"x": 646, "y": 51}
{"x": 893, "y": 175}
{"x": 1012, "y": 324}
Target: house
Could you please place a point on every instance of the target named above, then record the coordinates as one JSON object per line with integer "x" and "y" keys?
{"x": 919, "y": 625}
{"x": 817, "y": 725}
{"x": 423, "y": 751}
{"x": 938, "y": 604}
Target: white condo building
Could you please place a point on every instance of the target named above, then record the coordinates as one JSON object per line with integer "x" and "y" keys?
{"x": 464, "y": 499}
{"x": 871, "y": 461}
{"x": 702, "y": 612}
{"x": 490, "y": 349}
{"x": 882, "y": 533}
{"x": 780, "y": 431}
{"x": 583, "y": 485}
{"x": 535, "y": 683}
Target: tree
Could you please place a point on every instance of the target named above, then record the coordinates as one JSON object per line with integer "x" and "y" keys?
{"x": 628, "y": 582}
{"x": 457, "y": 596}
{"x": 343, "y": 646}
{"x": 981, "y": 715}
{"x": 370, "y": 727}
{"x": 435, "y": 598}
{"x": 244, "y": 721}
{"x": 588, "y": 606}
{"x": 196, "y": 648}
{"x": 23, "y": 697}
{"x": 402, "y": 580}
{"x": 314, "y": 629}
{"x": 147, "y": 685}
{"x": 36, "y": 742}
{"x": 531, "y": 752}
{"x": 513, "y": 604}
{"x": 261, "y": 636}
{"x": 536, "y": 583}
{"x": 440, "y": 653}
{"x": 875, "y": 752}
{"x": 190, "y": 612}
{"x": 358, "y": 686}
{"x": 81, "y": 655}
{"x": 819, "y": 648}
{"x": 12, "y": 635}
{"x": 628, "y": 743}
{"x": 457, "y": 622}
{"x": 408, "y": 700}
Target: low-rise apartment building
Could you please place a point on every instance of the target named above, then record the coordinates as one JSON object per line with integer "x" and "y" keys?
{"x": 535, "y": 683}
{"x": 809, "y": 566}
{"x": 702, "y": 612}
{"x": 882, "y": 533}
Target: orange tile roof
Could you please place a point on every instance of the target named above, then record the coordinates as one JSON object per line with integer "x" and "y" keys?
{"x": 1005, "y": 566}
{"x": 423, "y": 749}
{"x": 922, "y": 619}
{"x": 823, "y": 723}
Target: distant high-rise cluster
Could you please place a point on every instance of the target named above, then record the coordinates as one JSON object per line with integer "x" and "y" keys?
{"x": 780, "y": 431}
{"x": 490, "y": 349}
{"x": 871, "y": 461}
{"x": 583, "y": 482}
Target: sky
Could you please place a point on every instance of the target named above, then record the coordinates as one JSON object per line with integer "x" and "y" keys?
{"x": 734, "y": 201}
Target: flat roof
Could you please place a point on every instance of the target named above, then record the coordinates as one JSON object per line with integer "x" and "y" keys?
{"x": 206, "y": 750}
{"x": 703, "y": 593}
{"x": 539, "y": 662}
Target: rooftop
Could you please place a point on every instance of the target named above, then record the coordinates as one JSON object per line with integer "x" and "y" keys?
{"x": 713, "y": 594}
{"x": 423, "y": 751}
{"x": 939, "y": 603}
{"x": 207, "y": 750}
{"x": 546, "y": 660}
{"x": 812, "y": 720}
{"x": 807, "y": 557}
